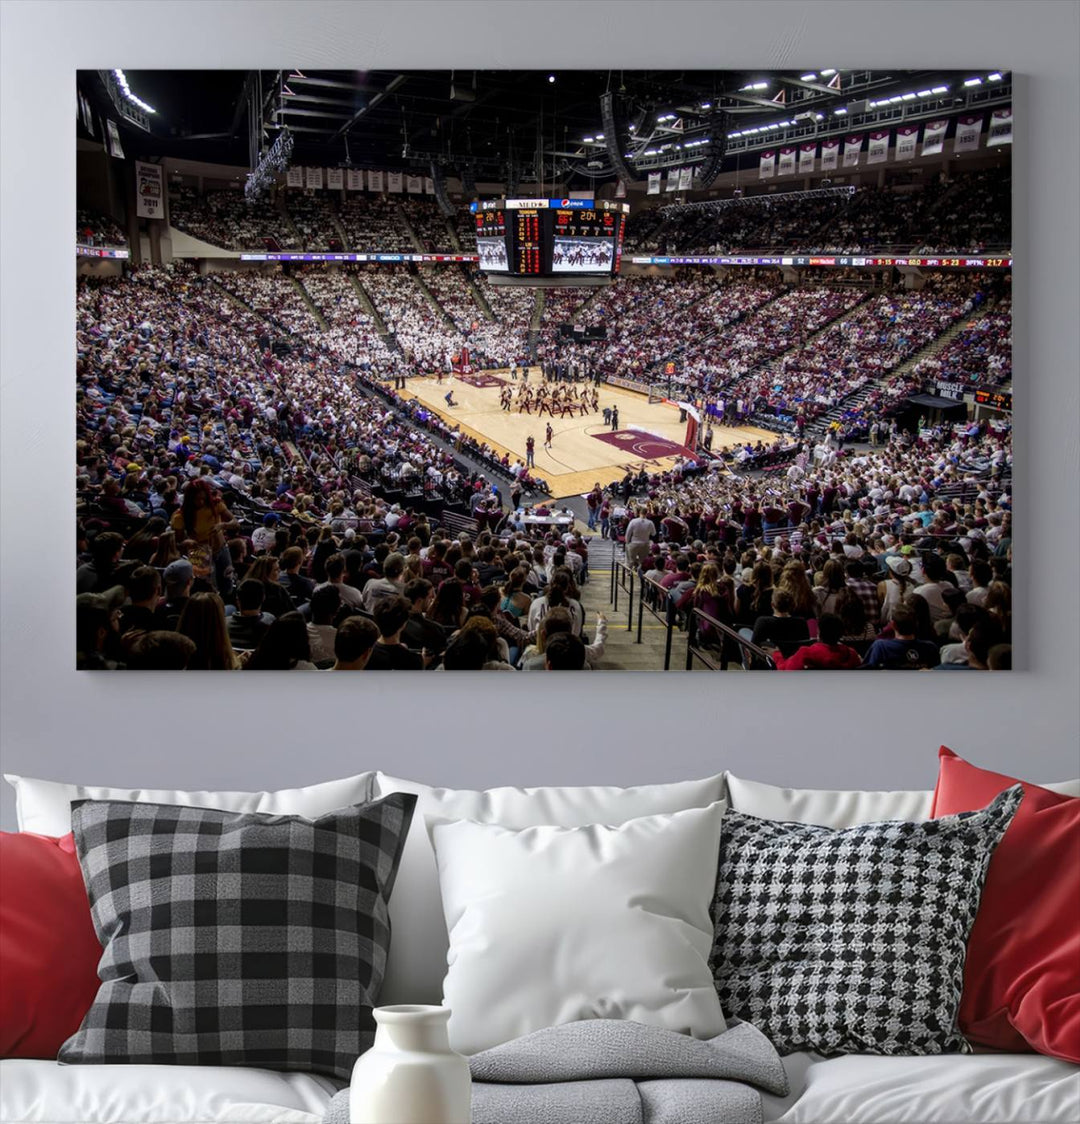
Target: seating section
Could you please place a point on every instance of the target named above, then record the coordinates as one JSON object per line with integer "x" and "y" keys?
{"x": 95, "y": 229}
{"x": 226, "y": 218}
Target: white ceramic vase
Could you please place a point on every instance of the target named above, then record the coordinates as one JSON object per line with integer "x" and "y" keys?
{"x": 410, "y": 1075}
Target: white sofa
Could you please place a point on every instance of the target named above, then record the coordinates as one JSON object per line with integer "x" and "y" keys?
{"x": 958, "y": 1089}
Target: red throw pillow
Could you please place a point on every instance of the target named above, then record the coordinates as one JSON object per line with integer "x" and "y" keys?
{"x": 1021, "y": 978}
{"x": 48, "y": 950}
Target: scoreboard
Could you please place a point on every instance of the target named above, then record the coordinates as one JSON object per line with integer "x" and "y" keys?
{"x": 550, "y": 237}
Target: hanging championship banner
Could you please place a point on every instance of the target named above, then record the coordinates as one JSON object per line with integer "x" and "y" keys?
{"x": 429, "y": 185}
{"x": 313, "y": 178}
{"x": 87, "y": 117}
{"x": 1001, "y": 127}
{"x": 933, "y": 137}
{"x": 878, "y": 149}
{"x": 767, "y": 167}
{"x": 294, "y": 177}
{"x": 968, "y": 129}
{"x": 654, "y": 184}
{"x": 620, "y": 189}
{"x": 335, "y": 178}
{"x": 354, "y": 180}
{"x": 852, "y": 148}
{"x": 414, "y": 185}
{"x": 787, "y": 162}
{"x": 673, "y": 180}
{"x": 114, "y": 139}
{"x": 686, "y": 177}
{"x": 807, "y": 152}
{"x": 830, "y": 152}
{"x": 149, "y": 193}
{"x": 393, "y": 182}
{"x": 375, "y": 181}
{"x": 907, "y": 140}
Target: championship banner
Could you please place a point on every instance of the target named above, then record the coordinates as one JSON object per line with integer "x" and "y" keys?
{"x": 933, "y": 137}
{"x": 878, "y": 149}
{"x": 114, "y": 139}
{"x": 429, "y": 185}
{"x": 375, "y": 181}
{"x": 354, "y": 180}
{"x": 393, "y": 182}
{"x": 967, "y": 134}
{"x": 1001, "y": 127}
{"x": 787, "y": 162}
{"x": 852, "y": 148}
{"x": 620, "y": 189}
{"x": 830, "y": 151}
{"x": 414, "y": 185}
{"x": 767, "y": 167}
{"x": 673, "y": 180}
{"x": 335, "y": 178}
{"x": 313, "y": 177}
{"x": 149, "y": 192}
{"x": 87, "y": 116}
{"x": 654, "y": 184}
{"x": 807, "y": 152}
{"x": 907, "y": 140}
{"x": 686, "y": 178}
{"x": 294, "y": 177}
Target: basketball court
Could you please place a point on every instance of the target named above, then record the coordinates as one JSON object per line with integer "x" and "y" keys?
{"x": 584, "y": 450}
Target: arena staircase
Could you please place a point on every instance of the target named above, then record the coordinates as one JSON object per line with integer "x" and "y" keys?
{"x": 455, "y": 241}
{"x": 313, "y": 308}
{"x": 432, "y": 300}
{"x": 368, "y": 304}
{"x": 478, "y": 296}
{"x": 336, "y": 223}
{"x": 534, "y": 324}
{"x": 287, "y": 218}
{"x": 414, "y": 238}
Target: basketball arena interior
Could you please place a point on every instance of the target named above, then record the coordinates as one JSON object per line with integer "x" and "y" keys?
{"x": 544, "y": 370}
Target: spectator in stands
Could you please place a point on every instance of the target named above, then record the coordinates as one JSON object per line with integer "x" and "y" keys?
{"x": 144, "y": 591}
{"x": 565, "y": 653}
{"x": 389, "y": 653}
{"x": 325, "y": 606}
{"x": 353, "y": 644}
{"x": 639, "y": 533}
{"x": 276, "y": 599}
{"x": 178, "y": 577}
{"x": 781, "y": 629}
{"x": 99, "y": 574}
{"x": 335, "y": 575}
{"x": 158, "y": 650}
{"x": 902, "y": 650}
{"x": 391, "y": 584}
{"x": 203, "y": 621}
{"x": 248, "y": 625}
{"x": 448, "y": 608}
{"x": 285, "y": 647}
{"x": 97, "y": 620}
{"x": 297, "y": 585}
{"x": 201, "y": 512}
{"x": 828, "y": 653}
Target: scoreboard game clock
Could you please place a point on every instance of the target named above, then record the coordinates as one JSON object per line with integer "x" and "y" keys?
{"x": 568, "y": 241}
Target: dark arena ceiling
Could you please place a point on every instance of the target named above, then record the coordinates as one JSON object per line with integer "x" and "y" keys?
{"x": 539, "y": 125}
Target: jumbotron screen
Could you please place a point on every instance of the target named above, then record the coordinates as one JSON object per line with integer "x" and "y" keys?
{"x": 550, "y": 237}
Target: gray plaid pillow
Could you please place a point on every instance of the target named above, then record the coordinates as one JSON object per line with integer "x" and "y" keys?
{"x": 236, "y": 939}
{"x": 853, "y": 941}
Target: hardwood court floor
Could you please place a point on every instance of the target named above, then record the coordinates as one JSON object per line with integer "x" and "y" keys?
{"x": 577, "y": 459}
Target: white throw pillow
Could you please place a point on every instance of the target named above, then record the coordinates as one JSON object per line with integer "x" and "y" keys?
{"x": 44, "y": 807}
{"x": 551, "y": 925}
{"x": 839, "y": 808}
{"x": 418, "y": 942}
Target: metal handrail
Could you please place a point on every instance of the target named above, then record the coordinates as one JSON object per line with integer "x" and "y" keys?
{"x": 644, "y": 606}
{"x": 727, "y": 631}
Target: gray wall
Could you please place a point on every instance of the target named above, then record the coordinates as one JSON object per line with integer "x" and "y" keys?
{"x": 244, "y": 731}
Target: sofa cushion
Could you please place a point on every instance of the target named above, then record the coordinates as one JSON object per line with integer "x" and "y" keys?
{"x": 48, "y": 950}
{"x": 417, "y": 964}
{"x": 42, "y": 1092}
{"x": 949, "y": 1089}
{"x": 1022, "y": 975}
{"x": 233, "y": 939}
{"x": 851, "y": 941}
{"x": 44, "y": 807}
{"x": 828, "y": 807}
{"x": 551, "y": 925}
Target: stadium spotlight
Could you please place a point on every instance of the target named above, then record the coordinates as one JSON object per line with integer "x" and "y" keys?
{"x": 551, "y": 77}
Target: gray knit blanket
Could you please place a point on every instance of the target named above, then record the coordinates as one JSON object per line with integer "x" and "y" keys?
{"x": 607, "y": 1071}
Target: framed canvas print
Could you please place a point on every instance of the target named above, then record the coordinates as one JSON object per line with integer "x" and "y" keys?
{"x": 544, "y": 370}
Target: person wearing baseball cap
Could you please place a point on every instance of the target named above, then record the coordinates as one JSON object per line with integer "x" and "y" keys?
{"x": 178, "y": 578}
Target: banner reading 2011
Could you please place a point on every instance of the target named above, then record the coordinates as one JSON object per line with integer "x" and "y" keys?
{"x": 149, "y": 192}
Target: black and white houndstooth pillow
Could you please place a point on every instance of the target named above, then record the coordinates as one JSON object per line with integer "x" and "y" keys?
{"x": 851, "y": 941}
{"x": 236, "y": 939}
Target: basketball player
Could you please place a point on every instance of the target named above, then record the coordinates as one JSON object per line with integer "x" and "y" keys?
{"x": 530, "y": 451}
{"x": 549, "y": 433}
